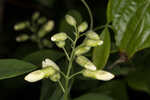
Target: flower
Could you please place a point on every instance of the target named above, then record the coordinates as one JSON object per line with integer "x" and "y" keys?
{"x": 82, "y": 27}
{"x": 98, "y": 74}
{"x": 59, "y": 37}
{"x": 70, "y": 20}
{"x": 86, "y": 63}
{"x": 35, "y": 76}
{"x": 49, "y": 70}
{"x": 81, "y": 49}
{"x": 92, "y": 35}
{"x": 48, "y": 62}
{"x": 92, "y": 43}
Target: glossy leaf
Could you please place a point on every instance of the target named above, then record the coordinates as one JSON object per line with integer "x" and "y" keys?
{"x": 93, "y": 96}
{"x": 39, "y": 56}
{"x": 131, "y": 23}
{"x": 101, "y": 53}
{"x": 12, "y": 67}
{"x": 114, "y": 89}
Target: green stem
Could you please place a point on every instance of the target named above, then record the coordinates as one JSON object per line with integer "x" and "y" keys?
{"x": 101, "y": 27}
{"x": 67, "y": 55}
{"x": 61, "y": 86}
{"x": 75, "y": 74}
{"x": 70, "y": 65}
{"x": 90, "y": 13}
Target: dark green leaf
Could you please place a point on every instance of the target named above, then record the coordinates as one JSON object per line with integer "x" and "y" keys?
{"x": 93, "y": 96}
{"x": 57, "y": 94}
{"x": 101, "y": 53}
{"x": 114, "y": 89}
{"x": 131, "y": 24}
{"x": 12, "y": 67}
{"x": 39, "y": 56}
{"x": 139, "y": 79}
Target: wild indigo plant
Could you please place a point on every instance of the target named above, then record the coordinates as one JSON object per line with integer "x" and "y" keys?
{"x": 50, "y": 69}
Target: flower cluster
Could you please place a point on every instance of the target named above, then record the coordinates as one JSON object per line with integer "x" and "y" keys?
{"x": 51, "y": 70}
{"x": 39, "y": 26}
{"x": 92, "y": 40}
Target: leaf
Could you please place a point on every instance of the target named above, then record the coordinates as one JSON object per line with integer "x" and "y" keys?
{"x": 93, "y": 96}
{"x": 139, "y": 80}
{"x": 114, "y": 89}
{"x": 101, "y": 53}
{"x": 39, "y": 56}
{"x": 57, "y": 95}
{"x": 131, "y": 22}
{"x": 12, "y": 67}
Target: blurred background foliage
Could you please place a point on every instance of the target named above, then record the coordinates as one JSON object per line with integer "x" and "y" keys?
{"x": 132, "y": 78}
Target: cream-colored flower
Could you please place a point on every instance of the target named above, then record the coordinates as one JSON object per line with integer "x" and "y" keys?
{"x": 35, "y": 76}
{"x": 49, "y": 63}
{"x": 81, "y": 49}
{"x": 92, "y": 35}
{"x": 82, "y": 27}
{"x": 93, "y": 43}
{"x": 71, "y": 20}
{"x": 59, "y": 37}
{"x": 86, "y": 63}
{"x": 98, "y": 74}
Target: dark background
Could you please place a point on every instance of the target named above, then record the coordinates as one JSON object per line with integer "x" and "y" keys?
{"x": 13, "y": 11}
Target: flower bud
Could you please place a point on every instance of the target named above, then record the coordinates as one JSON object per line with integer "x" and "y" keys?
{"x": 42, "y": 20}
{"x": 82, "y": 27}
{"x": 55, "y": 77}
{"x": 40, "y": 74}
{"x": 93, "y": 43}
{"x": 49, "y": 71}
{"x": 86, "y": 63}
{"x": 48, "y": 62}
{"x": 59, "y": 37}
{"x": 35, "y": 76}
{"x": 98, "y": 74}
{"x": 46, "y": 28}
{"x": 49, "y": 26}
{"x": 92, "y": 35}
{"x": 82, "y": 49}
{"x": 35, "y": 16}
{"x": 70, "y": 20}
{"x": 60, "y": 44}
{"x": 21, "y": 26}
{"x": 22, "y": 38}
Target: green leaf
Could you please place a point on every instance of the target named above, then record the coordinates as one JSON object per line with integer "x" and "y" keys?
{"x": 57, "y": 94}
{"x": 12, "y": 67}
{"x": 39, "y": 56}
{"x": 131, "y": 22}
{"x": 139, "y": 79}
{"x": 114, "y": 89}
{"x": 93, "y": 96}
{"x": 101, "y": 53}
